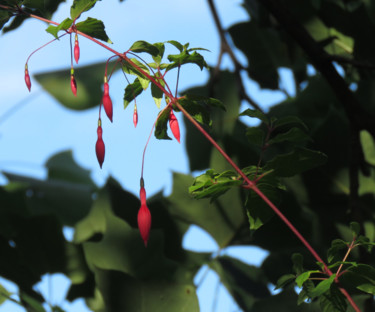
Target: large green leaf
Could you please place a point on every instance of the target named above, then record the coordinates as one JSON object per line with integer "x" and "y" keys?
{"x": 80, "y": 6}
{"x": 245, "y": 283}
{"x": 93, "y": 28}
{"x": 89, "y": 81}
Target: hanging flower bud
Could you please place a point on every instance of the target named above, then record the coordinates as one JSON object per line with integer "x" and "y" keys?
{"x": 144, "y": 216}
{"x": 173, "y": 124}
{"x": 135, "y": 116}
{"x": 107, "y": 102}
{"x": 73, "y": 84}
{"x": 76, "y": 49}
{"x": 27, "y": 78}
{"x": 100, "y": 147}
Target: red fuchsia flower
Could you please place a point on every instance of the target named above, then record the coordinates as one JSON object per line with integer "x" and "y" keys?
{"x": 107, "y": 102}
{"x": 73, "y": 84}
{"x": 100, "y": 147}
{"x": 27, "y": 78}
{"x": 144, "y": 216}
{"x": 173, "y": 124}
{"x": 135, "y": 116}
{"x": 76, "y": 49}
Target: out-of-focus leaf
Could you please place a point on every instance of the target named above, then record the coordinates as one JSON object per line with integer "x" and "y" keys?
{"x": 32, "y": 304}
{"x": 89, "y": 81}
{"x": 294, "y": 135}
{"x": 255, "y": 136}
{"x": 368, "y": 146}
{"x": 295, "y": 162}
{"x": 94, "y": 28}
{"x": 254, "y": 113}
{"x": 245, "y": 283}
{"x": 4, "y": 294}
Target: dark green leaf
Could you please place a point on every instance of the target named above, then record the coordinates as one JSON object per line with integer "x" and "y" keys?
{"x": 143, "y": 46}
{"x": 254, "y": 113}
{"x": 129, "y": 69}
{"x": 132, "y": 90}
{"x": 196, "y": 110}
{"x": 356, "y": 228}
{"x": 4, "y": 18}
{"x": 32, "y": 303}
{"x": 205, "y": 101}
{"x": 302, "y": 278}
{"x": 297, "y": 260}
{"x": 89, "y": 81}
{"x": 160, "y": 46}
{"x": 255, "y": 136}
{"x": 300, "y": 160}
{"x": 156, "y": 93}
{"x": 161, "y": 126}
{"x": 285, "y": 280}
{"x": 80, "y": 6}
{"x": 336, "y": 246}
{"x": 333, "y": 300}
{"x": 289, "y": 122}
{"x": 244, "y": 282}
{"x": 93, "y": 28}
{"x": 294, "y": 135}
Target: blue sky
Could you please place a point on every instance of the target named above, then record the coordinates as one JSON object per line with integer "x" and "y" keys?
{"x": 41, "y": 127}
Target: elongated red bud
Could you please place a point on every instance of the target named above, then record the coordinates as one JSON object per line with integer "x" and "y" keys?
{"x": 135, "y": 116}
{"x": 144, "y": 217}
{"x": 100, "y": 147}
{"x": 107, "y": 102}
{"x": 73, "y": 85}
{"x": 27, "y": 78}
{"x": 173, "y": 124}
{"x": 76, "y": 49}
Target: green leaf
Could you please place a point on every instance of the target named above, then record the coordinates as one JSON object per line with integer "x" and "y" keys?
{"x": 161, "y": 126}
{"x": 156, "y": 93}
{"x": 212, "y": 184}
{"x": 178, "y": 45}
{"x": 297, "y": 260}
{"x": 34, "y": 304}
{"x": 160, "y": 46}
{"x": 368, "y": 288}
{"x": 356, "y": 228}
{"x": 336, "y": 246}
{"x": 255, "y": 136}
{"x": 80, "y": 6}
{"x": 294, "y": 135}
{"x": 129, "y": 69}
{"x": 289, "y": 122}
{"x": 196, "y": 110}
{"x": 254, "y": 113}
{"x": 186, "y": 58}
{"x": 295, "y": 162}
{"x": 285, "y": 280}
{"x": 368, "y": 147}
{"x": 94, "y": 28}
{"x": 205, "y": 101}
{"x": 333, "y": 300}
{"x": 132, "y": 90}
{"x": 4, "y": 294}
{"x": 4, "y": 18}
{"x": 143, "y": 46}
{"x": 303, "y": 278}
{"x": 64, "y": 25}
{"x": 322, "y": 287}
